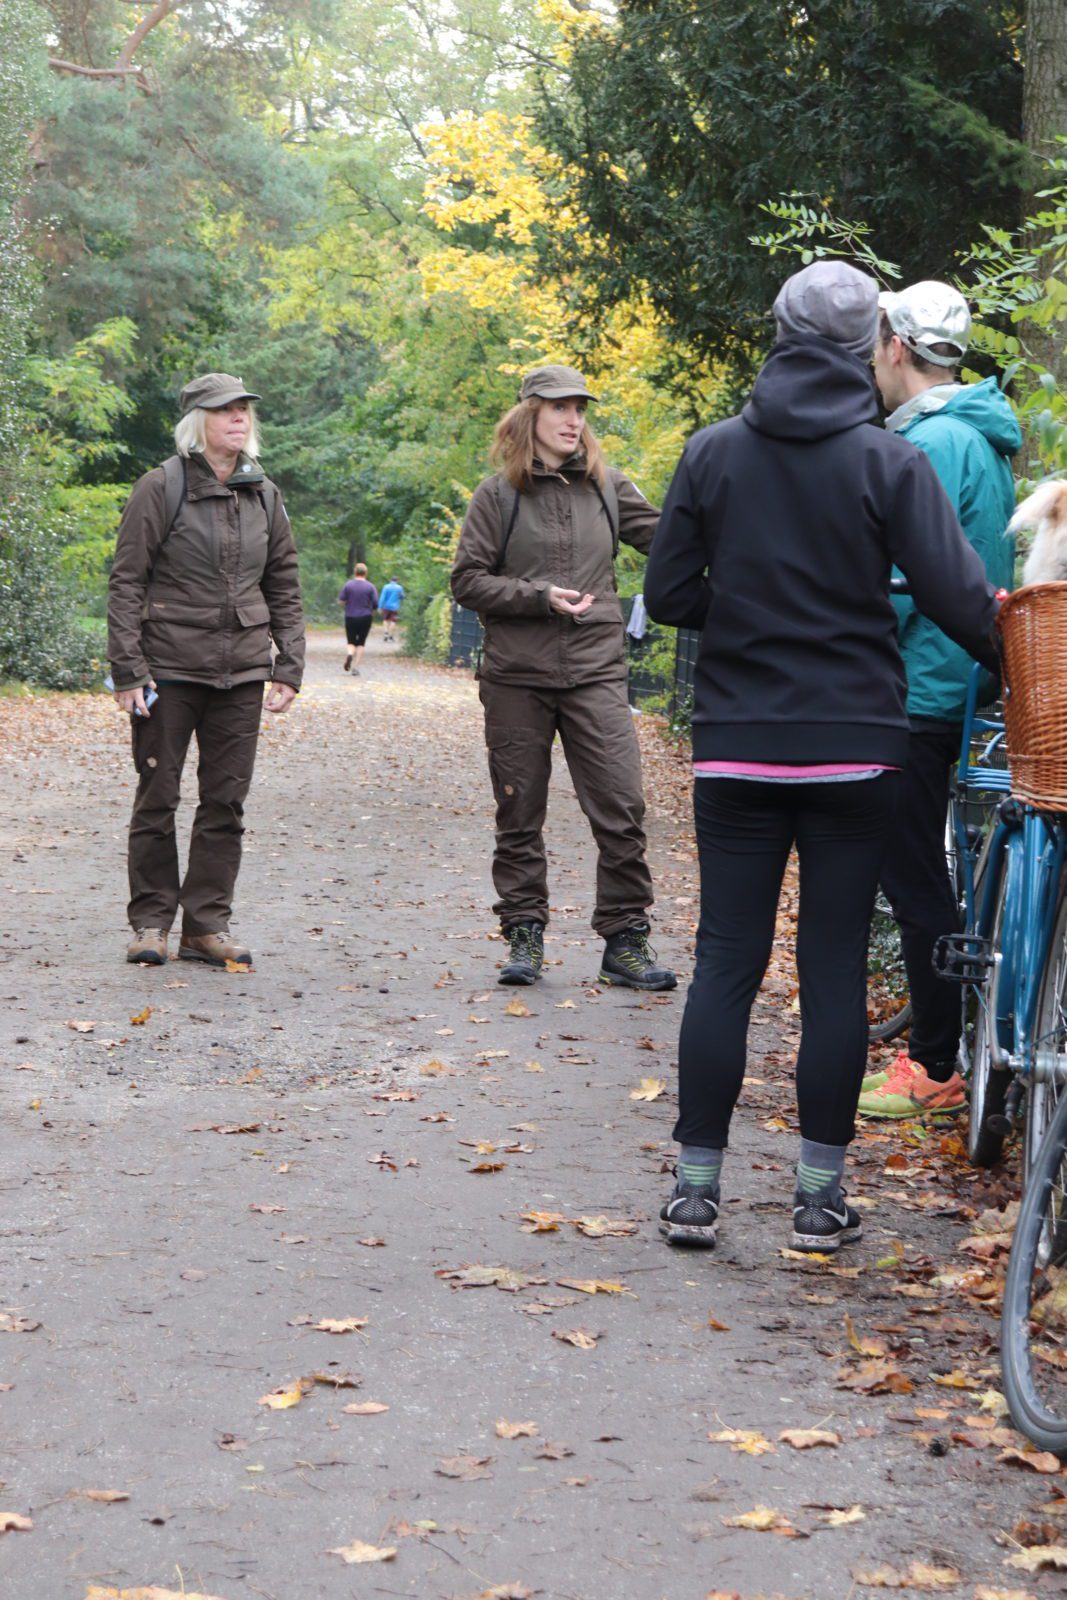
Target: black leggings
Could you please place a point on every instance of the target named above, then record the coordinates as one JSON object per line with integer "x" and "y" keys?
{"x": 745, "y": 831}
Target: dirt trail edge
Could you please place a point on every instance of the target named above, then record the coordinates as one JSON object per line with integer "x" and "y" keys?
{"x": 343, "y": 1277}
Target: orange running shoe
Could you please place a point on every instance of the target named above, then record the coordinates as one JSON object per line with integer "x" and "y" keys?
{"x": 909, "y": 1092}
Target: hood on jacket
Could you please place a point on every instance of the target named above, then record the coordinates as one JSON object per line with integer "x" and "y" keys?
{"x": 987, "y": 410}
{"x": 809, "y": 388}
{"x": 201, "y": 478}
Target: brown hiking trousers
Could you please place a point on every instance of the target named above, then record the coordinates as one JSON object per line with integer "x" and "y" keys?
{"x": 595, "y": 726}
{"x": 226, "y": 724}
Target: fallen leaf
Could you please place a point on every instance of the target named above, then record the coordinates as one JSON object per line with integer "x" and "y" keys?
{"x": 604, "y": 1227}
{"x": 81, "y": 1027}
{"x": 365, "y": 1408}
{"x": 238, "y": 966}
{"x": 542, "y": 1221}
{"x": 337, "y": 1380}
{"x": 1036, "y": 1460}
{"x": 843, "y": 1517}
{"x": 581, "y": 1338}
{"x": 746, "y": 1441}
{"x": 230, "y": 1441}
{"x": 487, "y": 1166}
{"x": 282, "y": 1399}
{"x": 594, "y": 1285}
{"x": 339, "y": 1324}
{"x": 761, "y": 1519}
{"x": 648, "y": 1089}
{"x": 984, "y": 1592}
{"x": 152, "y": 1592}
{"x": 554, "y": 1452}
{"x": 104, "y": 1497}
{"x": 875, "y": 1377}
{"x": 267, "y": 1210}
{"x": 466, "y": 1467}
{"x": 371, "y": 1243}
{"x": 142, "y": 1017}
{"x": 515, "y": 1430}
{"x": 436, "y": 1069}
{"x": 517, "y": 1008}
{"x": 917, "y": 1576}
{"x": 11, "y": 1522}
{"x": 9, "y": 1323}
{"x": 809, "y": 1438}
{"x": 716, "y": 1326}
{"x": 477, "y": 1277}
{"x": 865, "y": 1347}
{"x": 955, "y": 1380}
{"x": 1034, "y": 1558}
{"x": 358, "y": 1552}
{"x": 506, "y": 1591}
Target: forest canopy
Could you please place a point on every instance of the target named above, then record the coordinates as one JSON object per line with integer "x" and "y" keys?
{"x": 379, "y": 212}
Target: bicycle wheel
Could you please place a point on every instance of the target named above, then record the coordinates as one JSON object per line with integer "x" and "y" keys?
{"x": 1050, "y": 1036}
{"x": 888, "y": 1007}
{"x": 1033, "y": 1339}
{"x": 989, "y": 1088}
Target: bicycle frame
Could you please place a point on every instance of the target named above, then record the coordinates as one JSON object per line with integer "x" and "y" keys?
{"x": 1030, "y": 846}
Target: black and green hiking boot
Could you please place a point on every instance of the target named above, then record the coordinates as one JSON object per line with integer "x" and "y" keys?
{"x": 527, "y": 954}
{"x": 630, "y": 960}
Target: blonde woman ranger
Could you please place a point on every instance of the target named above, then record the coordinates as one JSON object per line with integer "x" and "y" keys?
{"x": 202, "y": 586}
{"x": 536, "y": 558}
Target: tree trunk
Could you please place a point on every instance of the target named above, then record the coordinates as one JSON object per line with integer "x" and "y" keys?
{"x": 1045, "y": 116}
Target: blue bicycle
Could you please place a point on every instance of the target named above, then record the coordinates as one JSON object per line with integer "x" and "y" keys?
{"x": 1012, "y": 960}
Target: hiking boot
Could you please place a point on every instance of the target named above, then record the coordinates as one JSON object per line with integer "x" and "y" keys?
{"x": 214, "y": 948}
{"x": 691, "y": 1215}
{"x": 908, "y": 1091}
{"x": 527, "y": 954}
{"x": 148, "y": 947}
{"x": 630, "y": 960}
{"x": 823, "y": 1222}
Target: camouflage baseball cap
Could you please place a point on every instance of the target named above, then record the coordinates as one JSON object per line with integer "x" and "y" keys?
{"x": 554, "y": 383}
{"x": 212, "y": 391}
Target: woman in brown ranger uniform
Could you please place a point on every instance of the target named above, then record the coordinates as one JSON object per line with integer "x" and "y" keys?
{"x": 536, "y": 558}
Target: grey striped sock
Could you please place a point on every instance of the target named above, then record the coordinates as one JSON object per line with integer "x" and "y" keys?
{"x": 696, "y": 1164}
{"x": 820, "y": 1169}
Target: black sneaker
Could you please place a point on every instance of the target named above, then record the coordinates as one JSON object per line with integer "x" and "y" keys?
{"x": 527, "y": 954}
{"x": 691, "y": 1215}
{"x": 630, "y": 960}
{"x": 823, "y": 1222}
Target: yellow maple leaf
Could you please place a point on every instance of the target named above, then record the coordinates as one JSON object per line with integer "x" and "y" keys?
{"x": 648, "y": 1089}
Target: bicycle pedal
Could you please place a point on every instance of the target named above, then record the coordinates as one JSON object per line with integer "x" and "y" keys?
{"x": 962, "y": 957}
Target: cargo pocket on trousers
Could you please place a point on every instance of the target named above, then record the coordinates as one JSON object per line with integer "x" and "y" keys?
{"x": 141, "y": 745}
{"x": 500, "y": 748}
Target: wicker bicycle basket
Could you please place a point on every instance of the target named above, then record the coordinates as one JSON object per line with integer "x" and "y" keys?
{"x": 1033, "y": 624}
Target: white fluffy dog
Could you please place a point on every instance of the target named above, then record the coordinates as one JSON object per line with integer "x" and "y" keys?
{"x": 1045, "y": 511}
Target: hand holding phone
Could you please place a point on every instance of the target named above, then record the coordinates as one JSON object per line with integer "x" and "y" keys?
{"x": 136, "y": 702}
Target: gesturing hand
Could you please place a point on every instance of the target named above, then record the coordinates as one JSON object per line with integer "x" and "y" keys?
{"x": 132, "y": 700}
{"x": 569, "y": 602}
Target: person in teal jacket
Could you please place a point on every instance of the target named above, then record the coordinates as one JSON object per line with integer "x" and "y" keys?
{"x": 970, "y": 434}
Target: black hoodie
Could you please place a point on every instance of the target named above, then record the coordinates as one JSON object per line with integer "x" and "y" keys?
{"x": 776, "y": 541}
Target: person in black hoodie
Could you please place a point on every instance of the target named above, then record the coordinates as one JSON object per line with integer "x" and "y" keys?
{"x": 776, "y": 541}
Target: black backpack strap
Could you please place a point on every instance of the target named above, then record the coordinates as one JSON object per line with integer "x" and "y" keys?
{"x": 269, "y": 495}
{"x": 501, "y": 483}
{"x": 175, "y": 488}
{"x": 609, "y": 498}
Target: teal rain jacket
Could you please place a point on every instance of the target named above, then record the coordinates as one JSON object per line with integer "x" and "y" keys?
{"x": 970, "y": 440}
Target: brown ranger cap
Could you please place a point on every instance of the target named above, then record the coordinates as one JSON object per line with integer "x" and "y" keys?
{"x": 554, "y": 383}
{"x": 212, "y": 391}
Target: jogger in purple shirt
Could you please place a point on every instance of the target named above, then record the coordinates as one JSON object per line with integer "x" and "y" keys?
{"x": 360, "y": 600}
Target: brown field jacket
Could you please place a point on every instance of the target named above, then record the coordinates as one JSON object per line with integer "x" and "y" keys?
{"x": 203, "y": 602}
{"x": 562, "y": 538}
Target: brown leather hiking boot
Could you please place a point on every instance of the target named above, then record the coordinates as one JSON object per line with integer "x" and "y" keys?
{"x": 214, "y": 948}
{"x": 148, "y": 947}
